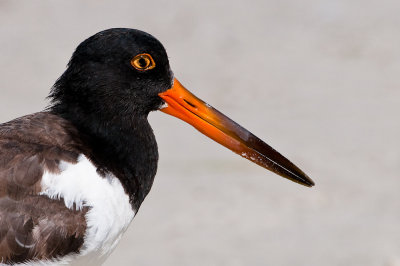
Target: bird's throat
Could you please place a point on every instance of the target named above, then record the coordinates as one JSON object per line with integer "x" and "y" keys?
{"x": 125, "y": 147}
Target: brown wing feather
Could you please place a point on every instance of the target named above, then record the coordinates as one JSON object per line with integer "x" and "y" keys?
{"x": 32, "y": 226}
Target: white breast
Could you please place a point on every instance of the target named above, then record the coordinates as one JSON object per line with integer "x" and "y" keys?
{"x": 110, "y": 211}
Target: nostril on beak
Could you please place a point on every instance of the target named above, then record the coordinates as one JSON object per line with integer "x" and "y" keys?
{"x": 191, "y": 104}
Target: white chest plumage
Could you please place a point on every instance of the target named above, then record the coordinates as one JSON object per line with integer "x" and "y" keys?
{"x": 110, "y": 211}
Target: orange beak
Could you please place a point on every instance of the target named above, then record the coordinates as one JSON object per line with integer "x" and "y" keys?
{"x": 212, "y": 123}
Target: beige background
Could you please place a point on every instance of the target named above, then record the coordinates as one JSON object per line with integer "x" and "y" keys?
{"x": 318, "y": 80}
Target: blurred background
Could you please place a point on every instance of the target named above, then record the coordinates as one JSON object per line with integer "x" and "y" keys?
{"x": 318, "y": 80}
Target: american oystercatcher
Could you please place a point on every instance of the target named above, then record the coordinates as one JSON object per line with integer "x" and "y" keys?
{"x": 73, "y": 177}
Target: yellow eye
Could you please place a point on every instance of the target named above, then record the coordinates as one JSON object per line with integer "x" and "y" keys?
{"x": 143, "y": 62}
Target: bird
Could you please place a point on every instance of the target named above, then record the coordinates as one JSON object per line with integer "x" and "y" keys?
{"x": 74, "y": 175}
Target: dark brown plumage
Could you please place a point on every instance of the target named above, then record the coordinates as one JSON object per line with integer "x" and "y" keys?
{"x": 32, "y": 226}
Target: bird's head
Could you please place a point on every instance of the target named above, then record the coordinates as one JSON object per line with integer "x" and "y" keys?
{"x": 118, "y": 74}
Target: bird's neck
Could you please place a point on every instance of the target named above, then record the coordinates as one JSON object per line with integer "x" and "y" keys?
{"x": 125, "y": 147}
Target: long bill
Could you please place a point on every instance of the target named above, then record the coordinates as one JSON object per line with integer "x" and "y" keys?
{"x": 182, "y": 104}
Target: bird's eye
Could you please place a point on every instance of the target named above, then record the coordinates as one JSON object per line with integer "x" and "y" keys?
{"x": 143, "y": 62}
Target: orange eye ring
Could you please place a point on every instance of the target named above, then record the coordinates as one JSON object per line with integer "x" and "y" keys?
{"x": 143, "y": 62}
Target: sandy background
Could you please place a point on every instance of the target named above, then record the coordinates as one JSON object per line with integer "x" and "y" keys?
{"x": 318, "y": 80}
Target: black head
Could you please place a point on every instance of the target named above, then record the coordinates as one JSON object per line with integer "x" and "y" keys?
{"x": 103, "y": 79}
